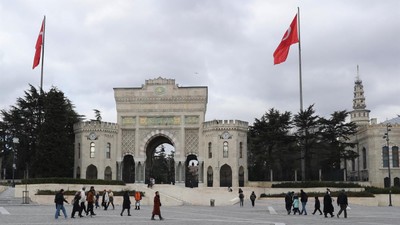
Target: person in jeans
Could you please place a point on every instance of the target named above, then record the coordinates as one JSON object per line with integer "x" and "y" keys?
{"x": 342, "y": 203}
{"x": 59, "y": 200}
{"x": 303, "y": 200}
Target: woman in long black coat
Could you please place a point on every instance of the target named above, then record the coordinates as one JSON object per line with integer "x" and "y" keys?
{"x": 328, "y": 207}
{"x": 126, "y": 203}
{"x": 288, "y": 202}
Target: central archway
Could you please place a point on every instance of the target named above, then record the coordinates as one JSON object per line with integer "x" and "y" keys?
{"x": 160, "y": 164}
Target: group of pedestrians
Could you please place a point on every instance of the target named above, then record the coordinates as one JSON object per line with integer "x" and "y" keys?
{"x": 292, "y": 203}
{"x": 82, "y": 197}
{"x": 253, "y": 198}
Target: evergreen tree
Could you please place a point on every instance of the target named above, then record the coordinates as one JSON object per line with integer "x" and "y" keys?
{"x": 43, "y": 122}
{"x": 269, "y": 146}
{"x": 307, "y": 123}
{"x": 335, "y": 133}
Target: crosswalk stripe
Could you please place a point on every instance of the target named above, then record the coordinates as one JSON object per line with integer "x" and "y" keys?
{"x": 4, "y": 211}
{"x": 272, "y": 210}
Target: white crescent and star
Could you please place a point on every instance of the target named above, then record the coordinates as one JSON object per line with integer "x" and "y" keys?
{"x": 287, "y": 34}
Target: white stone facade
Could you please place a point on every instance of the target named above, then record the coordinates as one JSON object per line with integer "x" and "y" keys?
{"x": 162, "y": 112}
{"x": 371, "y": 146}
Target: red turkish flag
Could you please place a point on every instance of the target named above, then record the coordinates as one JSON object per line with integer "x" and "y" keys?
{"x": 38, "y": 47}
{"x": 290, "y": 37}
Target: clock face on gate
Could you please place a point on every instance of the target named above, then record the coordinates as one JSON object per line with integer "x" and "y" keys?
{"x": 159, "y": 90}
{"x": 226, "y": 135}
{"x": 92, "y": 136}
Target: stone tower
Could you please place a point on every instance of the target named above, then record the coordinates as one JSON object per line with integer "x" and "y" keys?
{"x": 359, "y": 115}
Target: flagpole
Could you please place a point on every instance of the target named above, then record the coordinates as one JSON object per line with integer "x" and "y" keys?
{"x": 41, "y": 71}
{"x": 302, "y": 150}
{"x": 300, "y": 78}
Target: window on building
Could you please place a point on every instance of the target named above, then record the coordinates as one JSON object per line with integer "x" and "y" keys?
{"x": 395, "y": 156}
{"x": 108, "y": 151}
{"x": 364, "y": 158}
{"x": 225, "y": 149}
{"x": 92, "y": 149}
{"x": 79, "y": 150}
{"x": 353, "y": 165}
{"x": 241, "y": 150}
{"x": 209, "y": 150}
{"x": 396, "y": 182}
{"x": 385, "y": 156}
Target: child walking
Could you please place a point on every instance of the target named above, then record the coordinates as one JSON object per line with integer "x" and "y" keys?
{"x": 317, "y": 206}
{"x": 296, "y": 204}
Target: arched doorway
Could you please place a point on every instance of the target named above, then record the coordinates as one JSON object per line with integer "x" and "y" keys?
{"x": 192, "y": 171}
{"x": 78, "y": 173}
{"x": 209, "y": 177}
{"x": 160, "y": 164}
{"x": 108, "y": 173}
{"x": 241, "y": 176}
{"x": 128, "y": 169}
{"x": 91, "y": 172}
{"x": 225, "y": 175}
{"x": 396, "y": 182}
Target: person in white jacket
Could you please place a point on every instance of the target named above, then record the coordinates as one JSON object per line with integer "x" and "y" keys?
{"x": 82, "y": 202}
{"x": 105, "y": 199}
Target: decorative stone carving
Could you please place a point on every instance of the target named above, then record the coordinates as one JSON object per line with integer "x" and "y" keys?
{"x": 128, "y": 141}
{"x": 192, "y": 141}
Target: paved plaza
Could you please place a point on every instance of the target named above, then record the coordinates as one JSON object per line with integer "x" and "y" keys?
{"x": 270, "y": 212}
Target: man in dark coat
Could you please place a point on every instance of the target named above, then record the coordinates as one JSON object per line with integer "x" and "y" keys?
{"x": 303, "y": 200}
{"x": 288, "y": 202}
{"x": 156, "y": 207}
{"x": 126, "y": 203}
{"x": 328, "y": 207}
{"x": 59, "y": 200}
{"x": 253, "y": 198}
{"x": 76, "y": 204}
{"x": 342, "y": 203}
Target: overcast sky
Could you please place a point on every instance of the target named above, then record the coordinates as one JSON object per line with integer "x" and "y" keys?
{"x": 92, "y": 46}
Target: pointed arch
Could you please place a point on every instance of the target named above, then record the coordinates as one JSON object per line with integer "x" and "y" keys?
{"x": 241, "y": 176}
{"x": 210, "y": 177}
{"x": 91, "y": 172}
{"x": 225, "y": 175}
{"x": 108, "y": 173}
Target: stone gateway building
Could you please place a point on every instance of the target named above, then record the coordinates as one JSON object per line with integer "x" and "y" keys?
{"x": 206, "y": 153}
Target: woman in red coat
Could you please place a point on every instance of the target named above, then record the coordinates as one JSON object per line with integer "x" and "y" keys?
{"x": 156, "y": 207}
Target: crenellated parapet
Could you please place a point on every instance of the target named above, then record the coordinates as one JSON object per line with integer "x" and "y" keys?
{"x": 160, "y": 81}
{"x": 225, "y": 125}
{"x": 95, "y": 125}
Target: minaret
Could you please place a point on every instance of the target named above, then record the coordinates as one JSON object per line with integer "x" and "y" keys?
{"x": 359, "y": 115}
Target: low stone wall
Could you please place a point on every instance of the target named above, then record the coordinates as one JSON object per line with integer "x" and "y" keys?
{"x": 172, "y": 195}
{"x": 49, "y": 199}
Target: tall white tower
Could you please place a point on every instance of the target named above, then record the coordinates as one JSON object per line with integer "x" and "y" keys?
{"x": 359, "y": 115}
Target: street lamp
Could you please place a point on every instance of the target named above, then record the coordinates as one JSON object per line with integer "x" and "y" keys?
{"x": 15, "y": 141}
{"x": 386, "y": 136}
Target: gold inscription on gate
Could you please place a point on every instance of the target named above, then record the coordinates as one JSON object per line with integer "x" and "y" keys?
{"x": 128, "y": 120}
{"x": 192, "y": 120}
{"x": 159, "y": 120}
